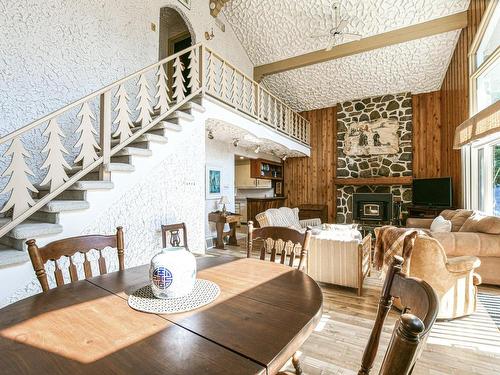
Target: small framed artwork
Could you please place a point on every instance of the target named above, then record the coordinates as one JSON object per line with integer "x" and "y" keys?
{"x": 279, "y": 188}
{"x": 186, "y": 3}
{"x": 214, "y": 182}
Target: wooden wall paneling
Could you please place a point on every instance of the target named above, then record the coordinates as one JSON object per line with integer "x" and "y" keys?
{"x": 455, "y": 97}
{"x": 427, "y": 135}
{"x": 310, "y": 180}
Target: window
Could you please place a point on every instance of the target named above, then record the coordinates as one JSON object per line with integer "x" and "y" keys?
{"x": 484, "y": 178}
{"x": 485, "y": 61}
{"x": 478, "y": 137}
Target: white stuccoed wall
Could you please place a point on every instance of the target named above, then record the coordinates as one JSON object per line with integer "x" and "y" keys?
{"x": 56, "y": 51}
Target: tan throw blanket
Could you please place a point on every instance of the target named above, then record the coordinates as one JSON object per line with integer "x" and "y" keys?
{"x": 392, "y": 241}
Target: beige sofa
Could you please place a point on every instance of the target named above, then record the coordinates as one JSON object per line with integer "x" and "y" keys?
{"x": 473, "y": 234}
{"x": 284, "y": 217}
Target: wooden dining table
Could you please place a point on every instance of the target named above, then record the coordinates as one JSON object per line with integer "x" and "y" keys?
{"x": 263, "y": 315}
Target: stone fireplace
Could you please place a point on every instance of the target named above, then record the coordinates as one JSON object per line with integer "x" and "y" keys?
{"x": 374, "y": 141}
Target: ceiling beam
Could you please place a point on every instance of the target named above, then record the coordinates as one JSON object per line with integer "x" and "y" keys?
{"x": 405, "y": 34}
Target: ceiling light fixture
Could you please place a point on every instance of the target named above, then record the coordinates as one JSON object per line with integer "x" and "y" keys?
{"x": 257, "y": 149}
{"x": 236, "y": 142}
{"x": 284, "y": 157}
{"x": 210, "y": 134}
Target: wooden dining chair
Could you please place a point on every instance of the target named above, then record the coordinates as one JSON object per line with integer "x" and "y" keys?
{"x": 173, "y": 230}
{"x": 67, "y": 248}
{"x": 289, "y": 242}
{"x": 421, "y": 306}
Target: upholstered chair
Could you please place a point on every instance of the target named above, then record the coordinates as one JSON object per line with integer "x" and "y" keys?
{"x": 453, "y": 279}
{"x": 285, "y": 217}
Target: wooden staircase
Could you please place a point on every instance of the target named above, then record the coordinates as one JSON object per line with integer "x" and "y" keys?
{"x": 45, "y": 222}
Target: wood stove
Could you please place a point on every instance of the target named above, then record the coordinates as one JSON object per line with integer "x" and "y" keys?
{"x": 373, "y": 207}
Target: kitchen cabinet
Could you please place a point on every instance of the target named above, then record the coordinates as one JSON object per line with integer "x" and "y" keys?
{"x": 243, "y": 179}
{"x": 266, "y": 170}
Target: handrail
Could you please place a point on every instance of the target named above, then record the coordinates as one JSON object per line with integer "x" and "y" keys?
{"x": 228, "y": 84}
{"x": 93, "y": 95}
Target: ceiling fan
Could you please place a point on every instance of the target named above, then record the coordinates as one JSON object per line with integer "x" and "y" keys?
{"x": 337, "y": 32}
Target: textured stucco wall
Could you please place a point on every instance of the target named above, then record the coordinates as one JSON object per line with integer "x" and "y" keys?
{"x": 54, "y": 52}
{"x": 172, "y": 192}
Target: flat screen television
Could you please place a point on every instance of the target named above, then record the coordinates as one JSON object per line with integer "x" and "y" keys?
{"x": 436, "y": 192}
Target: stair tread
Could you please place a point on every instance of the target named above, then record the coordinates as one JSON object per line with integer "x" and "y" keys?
{"x": 65, "y": 205}
{"x": 168, "y": 125}
{"x": 195, "y": 106}
{"x": 123, "y": 167}
{"x": 31, "y": 229}
{"x": 134, "y": 151}
{"x": 180, "y": 114}
{"x": 146, "y": 137}
{"x": 92, "y": 185}
{"x": 10, "y": 256}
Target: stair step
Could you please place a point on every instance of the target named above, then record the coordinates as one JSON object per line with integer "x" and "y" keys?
{"x": 145, "y": 138}
{"x": 134, "y": 151}
{"x": 31, "y": 229}
{"x": 92, "y": 185}
{"x": 180, "y": 115}
{"x": 168, "y": 126}
{"x": 64, "y": 205}
{"x": 119, "y": 167}
{"x": 10, "y": 257}
{"x": 192, "y": 106}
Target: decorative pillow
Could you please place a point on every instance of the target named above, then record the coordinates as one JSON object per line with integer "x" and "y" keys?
{"x": 457, "y": 218}
{"x": 440, "y": 224}
{"x": 480, "y": 223}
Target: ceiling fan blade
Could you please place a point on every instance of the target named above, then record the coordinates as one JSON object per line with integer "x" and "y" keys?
{"x": 331, "y": 44}
{"x": 319, "y": 36}
{"x": 342, "y": 25}
{"x": 351, "y": 36}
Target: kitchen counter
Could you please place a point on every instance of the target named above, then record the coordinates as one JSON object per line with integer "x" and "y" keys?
{"x": 265, "y": 199}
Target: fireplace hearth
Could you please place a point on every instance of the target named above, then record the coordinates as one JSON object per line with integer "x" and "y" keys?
{"x": 372, "y": 207}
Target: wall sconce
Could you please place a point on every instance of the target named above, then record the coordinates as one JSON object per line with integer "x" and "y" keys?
{"x": 209, "y": 35}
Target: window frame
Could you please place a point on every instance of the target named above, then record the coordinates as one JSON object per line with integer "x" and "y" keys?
{"x": 476, "y": 71}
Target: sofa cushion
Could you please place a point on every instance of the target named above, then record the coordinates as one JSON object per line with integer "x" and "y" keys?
{"x": 467, "y": 243}
{"x": 481, "y": 223}
{"x": 440, "y": 224}
{"x": 457, "y": 218}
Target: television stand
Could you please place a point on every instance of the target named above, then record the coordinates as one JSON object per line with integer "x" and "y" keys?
{"x": 425, "y": 212}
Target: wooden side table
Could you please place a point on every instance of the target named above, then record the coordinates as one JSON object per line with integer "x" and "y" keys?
{"x": 221, "y": 218}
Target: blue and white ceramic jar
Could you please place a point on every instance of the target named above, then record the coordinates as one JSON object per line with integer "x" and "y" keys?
{"x": 172, "y": 273}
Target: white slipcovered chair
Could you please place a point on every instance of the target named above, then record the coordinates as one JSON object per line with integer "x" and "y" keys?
{"x": 285, "y": 217}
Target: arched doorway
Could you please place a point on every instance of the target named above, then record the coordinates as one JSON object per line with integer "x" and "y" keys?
{"x": 175, "y": 35}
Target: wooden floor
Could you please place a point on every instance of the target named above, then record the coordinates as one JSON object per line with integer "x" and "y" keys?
{"x": 468, "y": 345}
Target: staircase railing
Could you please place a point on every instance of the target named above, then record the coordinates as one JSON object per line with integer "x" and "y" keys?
{"x": 119, "y": 119}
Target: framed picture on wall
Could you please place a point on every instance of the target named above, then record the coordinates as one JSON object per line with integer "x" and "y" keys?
{"x": 186, "y": 3}
{"x": 213, "y": 182}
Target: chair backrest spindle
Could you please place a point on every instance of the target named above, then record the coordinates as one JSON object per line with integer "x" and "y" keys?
{"x": 68, "y": 247}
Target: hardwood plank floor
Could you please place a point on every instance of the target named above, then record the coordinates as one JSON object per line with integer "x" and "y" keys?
{"x": 469, "y": 345}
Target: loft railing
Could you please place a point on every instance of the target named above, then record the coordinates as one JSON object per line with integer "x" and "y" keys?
{"x": 111, "y": 118}
{"x": 229, "y": 85}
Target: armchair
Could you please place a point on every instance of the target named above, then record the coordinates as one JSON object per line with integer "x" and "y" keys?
{"x": 454, "y": 279}
{"x": 285, "y": 217}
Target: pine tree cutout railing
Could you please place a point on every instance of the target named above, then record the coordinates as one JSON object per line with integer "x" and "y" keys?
{"x": 98, "y": 139}
{"x": 109, "y": 120}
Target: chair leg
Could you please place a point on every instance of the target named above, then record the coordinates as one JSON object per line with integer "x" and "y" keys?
{"x": 296, "y": 364}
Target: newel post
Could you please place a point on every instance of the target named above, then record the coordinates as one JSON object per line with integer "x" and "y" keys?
{"x": 105, "y": 134}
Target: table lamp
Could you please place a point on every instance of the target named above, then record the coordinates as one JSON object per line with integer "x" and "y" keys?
{"x": 223, "y": 200}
